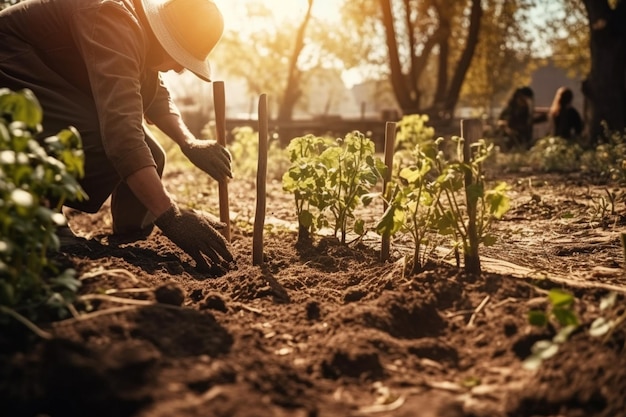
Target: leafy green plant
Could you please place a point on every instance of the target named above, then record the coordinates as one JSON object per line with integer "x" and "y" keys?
{"x": 305, "y": 179}
{"x": 429, "y": 196}
{"x": 32, "y": 177}
{"x": 352, "y": 170}
{"x": 466, "y": 212}
{"x": 413, "y": 130}
{"x": 560, "y": 310}
{"x": 412, "y": 201}
{"x": 330, "y": 179}
{"x": 561, "y": 314}
{"x": 607, "y": 160}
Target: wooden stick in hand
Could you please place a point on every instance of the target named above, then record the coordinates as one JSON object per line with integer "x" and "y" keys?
{"x": 219, "y": 103}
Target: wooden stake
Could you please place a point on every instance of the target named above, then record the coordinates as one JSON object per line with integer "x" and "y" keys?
{"x": 390, "y": 143}
{"x": 261, "y": 176}
{"x": 219, "y": 103}
{"x": 471, "y": 132}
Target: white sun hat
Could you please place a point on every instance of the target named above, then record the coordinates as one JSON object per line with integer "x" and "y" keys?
{"x": 188, "y": 30}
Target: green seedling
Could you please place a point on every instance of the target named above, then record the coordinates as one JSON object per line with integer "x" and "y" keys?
{"x": 560, "y": 312}
{"x": 352, "y": 171}
{"x": 412, "y": 200}
{"x": 467, "y": 212}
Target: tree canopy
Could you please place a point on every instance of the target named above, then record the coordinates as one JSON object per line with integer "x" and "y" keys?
{"x": 434, "y": 54}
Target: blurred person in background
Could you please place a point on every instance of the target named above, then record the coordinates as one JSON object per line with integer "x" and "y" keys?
{"x": 518, "y": 117}
{"x": 565, "y": 121}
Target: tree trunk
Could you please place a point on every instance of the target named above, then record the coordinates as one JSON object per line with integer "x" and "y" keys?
{"x": 466, "y": 58}
{"x": 406, "y": 84}
{"x": 292, "y": 90}
{"x": 405, "y": 90}
{"x": 605, "y": 88}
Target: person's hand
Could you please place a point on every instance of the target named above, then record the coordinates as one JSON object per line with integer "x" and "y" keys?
{"x": 209, "y": 156}
{"x": 197, "y": 234}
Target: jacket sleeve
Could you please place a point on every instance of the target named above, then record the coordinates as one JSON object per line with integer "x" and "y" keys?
{"x": 162, "y": 103}
{"x": 113, "y": 46}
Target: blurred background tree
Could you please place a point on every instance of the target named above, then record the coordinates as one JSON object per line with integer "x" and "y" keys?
{"x": 432, "y": 56}
{"x": 605, "y": 86}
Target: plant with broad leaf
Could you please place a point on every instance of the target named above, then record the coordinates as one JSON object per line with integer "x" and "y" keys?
{"x": 305, "y": 179}
{"x": 468, "y": 206}
{"x": 32, "y": 175}
{"x": 430, "y": 196}
{"x": 330, "y": 180}
{"x": 412, "y": 199}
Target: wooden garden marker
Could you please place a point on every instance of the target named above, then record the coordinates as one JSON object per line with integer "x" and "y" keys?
{"x": 219, "y": 103}
{"x": 390, "y": 143}
{"x": 471, "y": 132}
{"x": 261, "y": 175}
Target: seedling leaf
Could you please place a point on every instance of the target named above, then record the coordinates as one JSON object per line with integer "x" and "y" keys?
{"x": 600, "y": 327}
{"x": 537, "y": 318}
{"x": 608, "y": 301}
{"x": 565, "y": 316}
{"x": 559, "y": 298}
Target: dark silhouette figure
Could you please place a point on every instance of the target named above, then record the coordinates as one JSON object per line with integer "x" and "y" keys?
{"x": 565, "y": 121}
{"x": 518, "y": 117}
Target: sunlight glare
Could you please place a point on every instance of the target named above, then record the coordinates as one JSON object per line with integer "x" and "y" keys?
{"x": 284, "y": 10}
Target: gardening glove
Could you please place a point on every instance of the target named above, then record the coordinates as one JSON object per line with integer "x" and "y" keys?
{"x": 197, "y": 235}
{"x": 209, "y": 156}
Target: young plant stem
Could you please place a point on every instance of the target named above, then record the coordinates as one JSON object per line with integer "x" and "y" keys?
{"x": 29, "y": 324}
{"x": 390, "y": 137}
{"x": 303, "y": 231}
{"x": 471, "y": 130}
{"x": 417, "y": 236}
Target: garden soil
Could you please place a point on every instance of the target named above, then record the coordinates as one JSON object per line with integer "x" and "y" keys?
{"x": 325, "y": 329}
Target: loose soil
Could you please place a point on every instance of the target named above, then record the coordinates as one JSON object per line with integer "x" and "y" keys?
{"x": 325, "y": 329}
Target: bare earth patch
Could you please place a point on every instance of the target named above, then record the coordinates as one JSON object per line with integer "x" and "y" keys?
{"x": 327, "y": 329}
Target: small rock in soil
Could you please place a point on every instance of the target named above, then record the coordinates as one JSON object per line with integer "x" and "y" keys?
{"x": 313, "y": 311}
{"x": 214, "y": 302}
{"x": 170, "y": 293}
{"x": 196, "y": 295}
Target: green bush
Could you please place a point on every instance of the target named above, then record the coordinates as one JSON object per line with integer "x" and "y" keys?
{"x": 607, "y": 161}
{"x": 555, "y": 154}
{"x": 244, "y": 149}
{"x": 31, "y": 177}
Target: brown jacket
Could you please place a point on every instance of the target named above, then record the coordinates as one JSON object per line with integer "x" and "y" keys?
{"x": 85, "y": 60}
